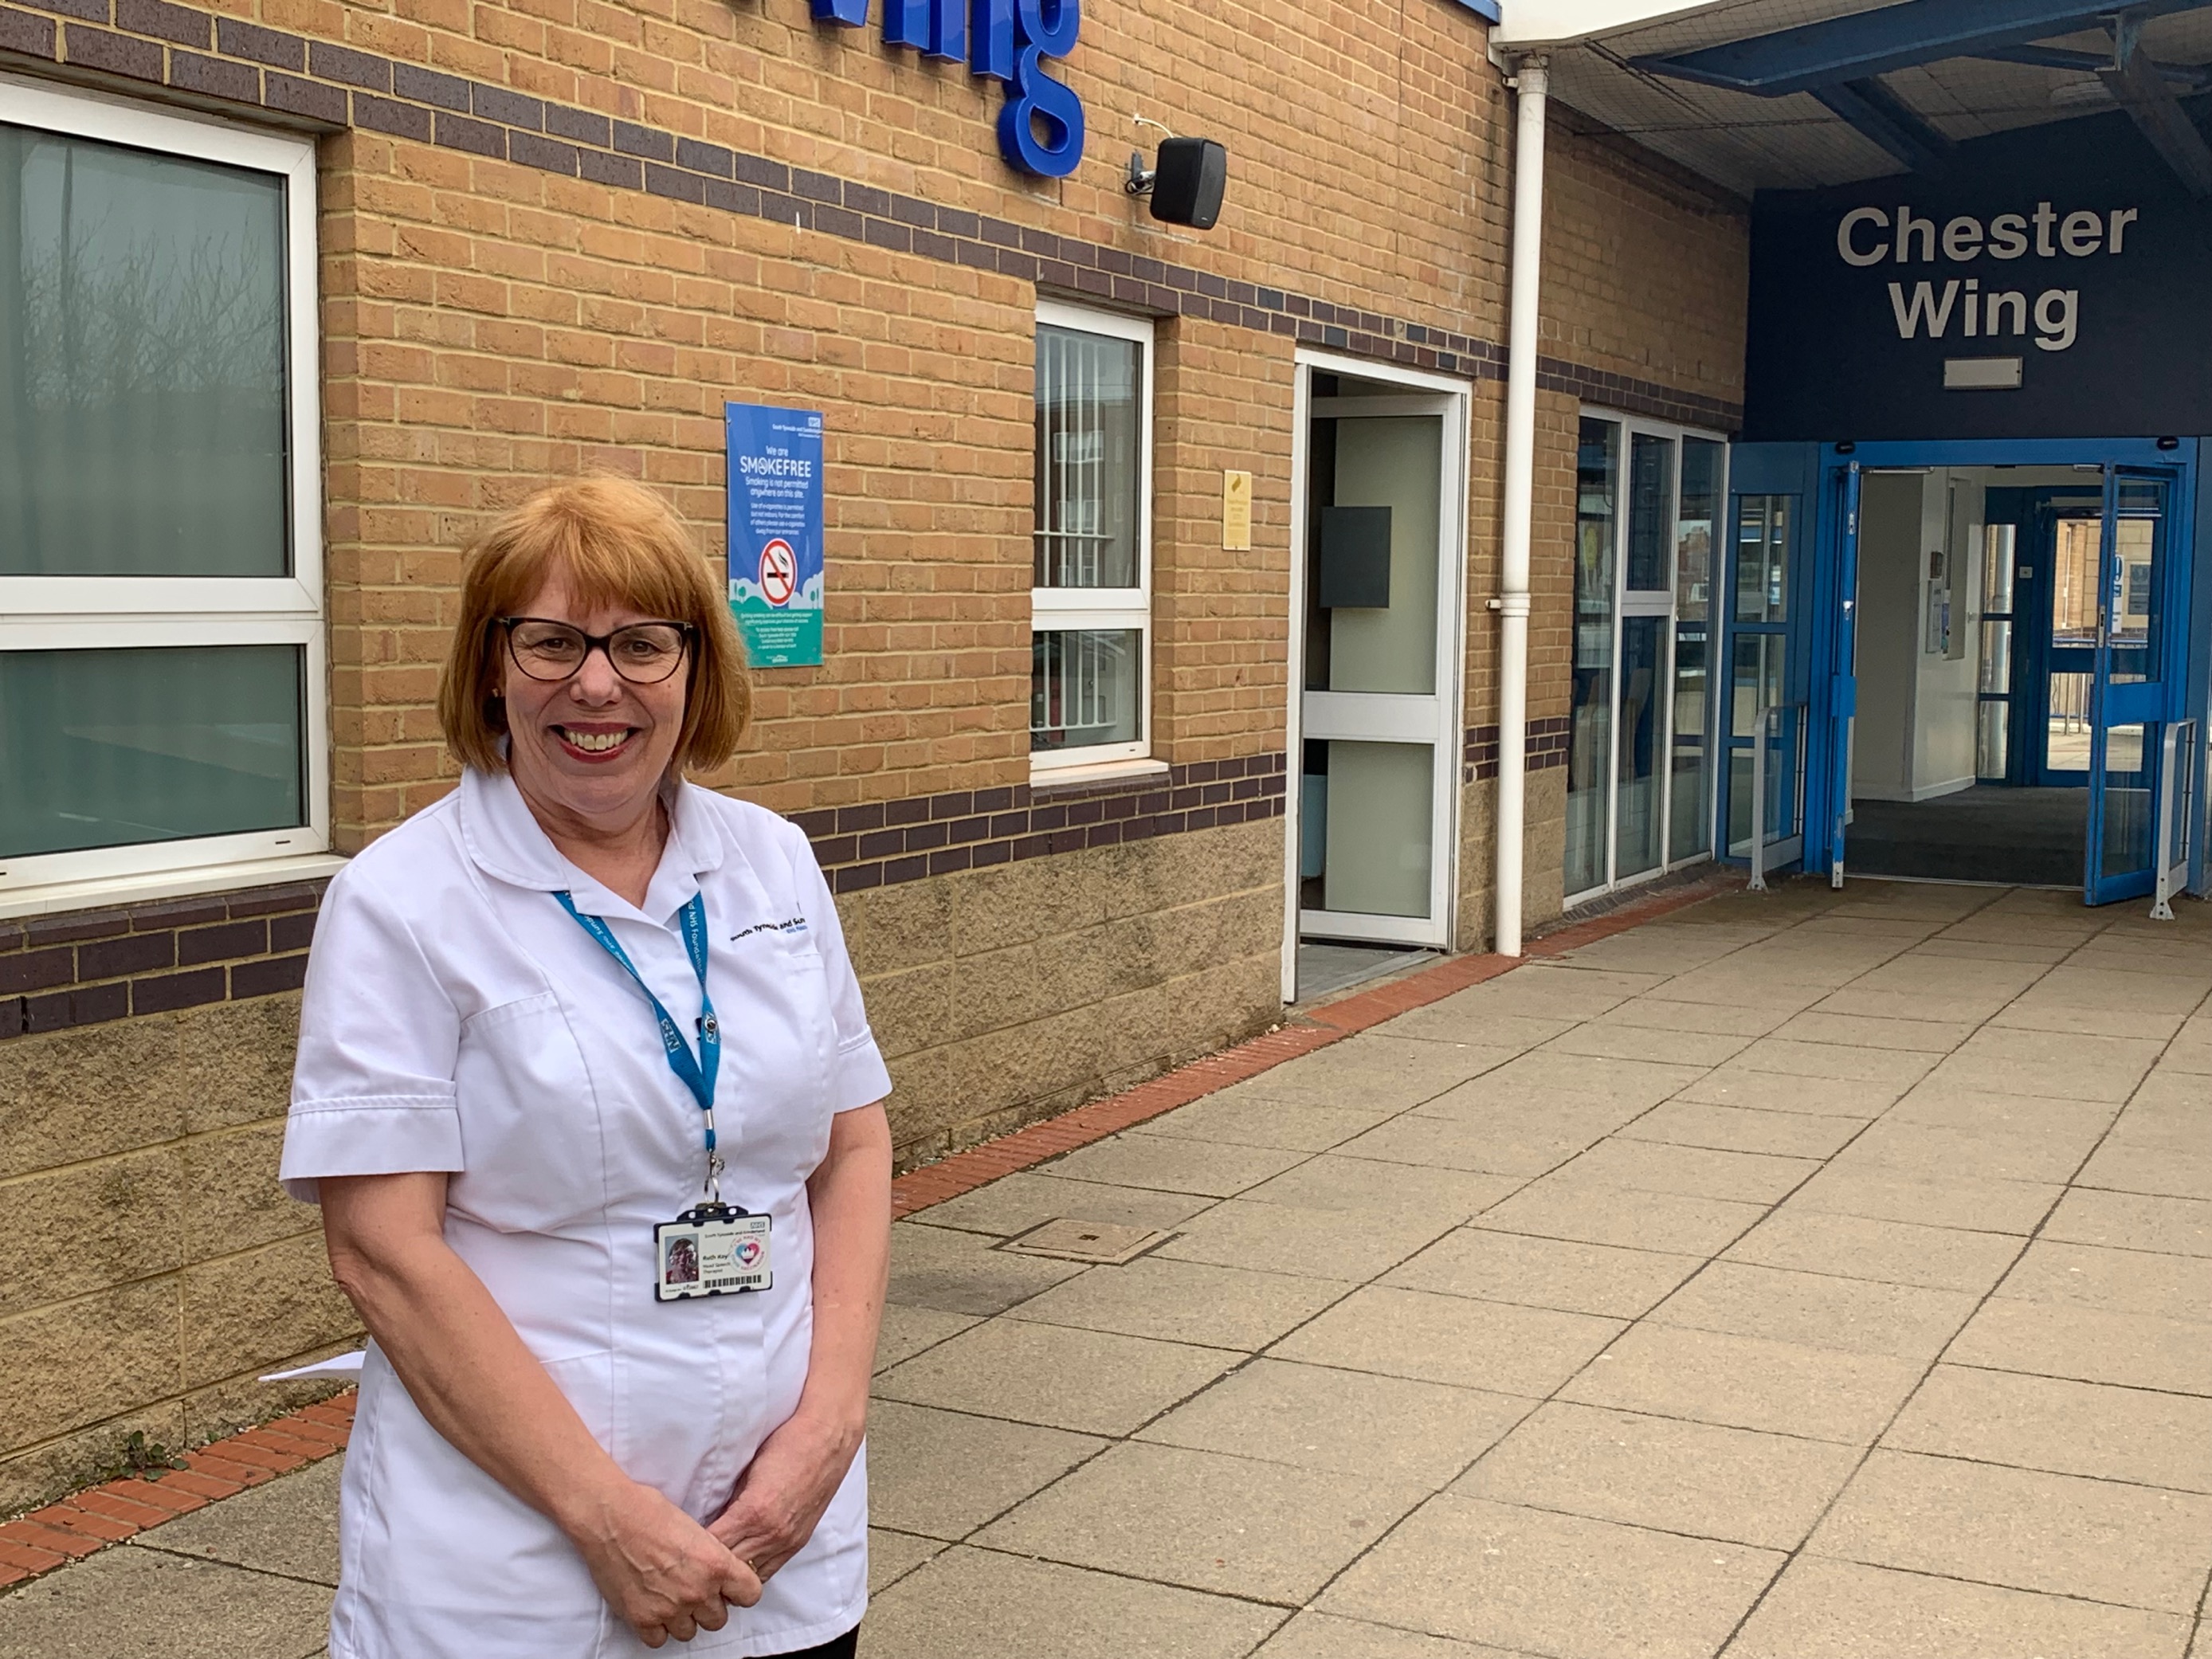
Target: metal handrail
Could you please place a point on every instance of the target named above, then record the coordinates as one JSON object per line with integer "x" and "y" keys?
{"x": 1760, "y": 721}
{"x": 2177, "y": 816}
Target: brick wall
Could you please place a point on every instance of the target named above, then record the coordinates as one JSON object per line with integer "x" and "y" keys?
{"x": 556, "y": 235}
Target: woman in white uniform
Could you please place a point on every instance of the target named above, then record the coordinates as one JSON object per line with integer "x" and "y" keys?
{"x": 587, "y": 1096}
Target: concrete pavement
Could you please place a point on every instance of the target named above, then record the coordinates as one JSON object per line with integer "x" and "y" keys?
{"x": 1801, "y": 1276}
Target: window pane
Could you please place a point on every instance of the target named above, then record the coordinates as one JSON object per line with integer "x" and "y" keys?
{"x": 1643, "y": 714}
{"x": 1381, "y": 798}
{"x": 2066, "y": 735}
{"x": 2128, "y": 805}
{"x": 1089, "y": 402}
{"x": 1590, "y": 743}
{"x": 1085, "y": 688}
{"x": 2073, "y": 582}
{"x": 1686, "y": 820}
{"x": 142, "y": 370}
{"x": 107, "y": 748}
{"x": 1650, "y": 501}
{"x": 1762, "y": 559}
{"x": 1693, "y": 529}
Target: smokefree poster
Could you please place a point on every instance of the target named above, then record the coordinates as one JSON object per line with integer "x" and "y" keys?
{"x": 775, "y": 533}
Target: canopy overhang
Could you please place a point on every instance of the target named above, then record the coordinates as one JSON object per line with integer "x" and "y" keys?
{"x": 1761, "y": 95}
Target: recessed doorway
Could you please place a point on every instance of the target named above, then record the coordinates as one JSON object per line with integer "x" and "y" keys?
{"x": 1378, "y": 605}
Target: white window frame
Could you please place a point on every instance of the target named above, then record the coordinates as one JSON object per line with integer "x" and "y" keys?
{"x": 45, "y": 613}
{"x": 1628, "y": 601}
{"x": 1057, "y": 610}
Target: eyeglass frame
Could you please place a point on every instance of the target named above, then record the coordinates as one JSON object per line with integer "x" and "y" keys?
{"x": 602, "y": 643}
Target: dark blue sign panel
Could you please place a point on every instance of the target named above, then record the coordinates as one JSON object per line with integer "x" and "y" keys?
{"x": 2043, "y": 284}
{"x": 775, "y": 533}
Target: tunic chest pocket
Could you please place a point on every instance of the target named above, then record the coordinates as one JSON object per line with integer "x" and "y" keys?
{"x": 530, "y": 1135}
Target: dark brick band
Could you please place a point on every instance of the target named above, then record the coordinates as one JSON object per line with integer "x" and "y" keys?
{"x": 302, "y": 78}
{"x": 1545, "y": 746}
{"x": 86, "y": 967}
{"x": 885, "y": 842}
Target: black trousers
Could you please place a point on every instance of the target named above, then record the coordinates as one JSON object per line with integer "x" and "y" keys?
{"x": 842, "y": 1647}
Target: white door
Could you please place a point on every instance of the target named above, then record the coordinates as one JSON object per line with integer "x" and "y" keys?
{"x": 1378, "y": 759}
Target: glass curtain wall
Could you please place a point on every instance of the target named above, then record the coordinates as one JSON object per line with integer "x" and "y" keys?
{"x": 1639, "y": 776}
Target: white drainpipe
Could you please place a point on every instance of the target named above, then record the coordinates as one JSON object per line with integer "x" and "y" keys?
{"x": 1520, "y": 498}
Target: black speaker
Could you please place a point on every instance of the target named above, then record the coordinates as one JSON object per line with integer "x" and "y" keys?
{"x": 1188, "y": 180}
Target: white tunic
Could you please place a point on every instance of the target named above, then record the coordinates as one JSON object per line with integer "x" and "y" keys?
{"x": 458, "y": 1019}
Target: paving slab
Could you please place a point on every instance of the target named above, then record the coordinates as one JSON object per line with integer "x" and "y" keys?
{"x": 1186, "y": 1302}
{"x": 1824, "y": 1609}
{"x": 2090, "y": 1345}
{"x": 1697, "y": 1478}
{"x": 892, "y": 1555}
{"x": 1555, "y": 1585}
{"x": 1091, "y": 1381}
{"x": 1393, "y": 1428}
{"x": 940, "y": 1474}
{"x": 1819, "y": 1310}
{"x": 1017, "y": 1203}
{"x": 2096, "y": 1429}
{"x": 1449, "y": 1338}
{"x": 906, "y": 1331}
{"x": 1748, "y": 1382}
{"x": 970, "y": 1603}
{"x": 959, "y": 1272}
{"x": 2134, "y": 1221}
{"x": 1732, "y": 1128}
{"x": 1936, "y": 1199}
{"x": 2118, "y": 1281}
{"x": 1865, "y": 1247}
{"x": 1545, "y": 1272}
{"x": 1313, "y": 1243}
{"x": 2101, "y": 1540}
{"x": 1598, "y": 1214}
{"x": 1693, "y": 1171}
{"x": 1205, "y": 1168}
{"x": 1236, "y": 1525}
{"x": 1364, "y": 1186}
{"x": 1259, "y": 1119}
{"x": 1324, "y": 1636}
{"x": 150, "y": 1604}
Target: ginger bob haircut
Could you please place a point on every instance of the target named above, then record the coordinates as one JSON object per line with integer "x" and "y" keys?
{"x": 619, "y": 545}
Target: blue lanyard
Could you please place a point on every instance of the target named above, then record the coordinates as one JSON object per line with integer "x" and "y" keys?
{"x": 696, "y": 1075}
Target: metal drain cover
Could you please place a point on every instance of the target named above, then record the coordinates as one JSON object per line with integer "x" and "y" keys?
{"x": 1101, "y": 1242}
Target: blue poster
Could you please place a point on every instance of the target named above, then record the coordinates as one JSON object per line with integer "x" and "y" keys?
{"x": 775, "y": 533}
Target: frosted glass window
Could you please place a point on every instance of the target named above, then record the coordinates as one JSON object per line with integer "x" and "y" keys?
{"x": 149, "y": 745}
{"x": 141, "y": 363}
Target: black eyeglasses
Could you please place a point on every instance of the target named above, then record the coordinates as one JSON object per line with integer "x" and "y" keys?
{"x": 644, "y": 654}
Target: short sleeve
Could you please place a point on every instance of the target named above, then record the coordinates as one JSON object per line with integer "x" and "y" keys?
{"x": 372, "y": 1089}
{"x": 859, "y": 1077}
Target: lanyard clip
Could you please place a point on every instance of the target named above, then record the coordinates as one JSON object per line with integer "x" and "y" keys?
{"x": 713, "y": 1178}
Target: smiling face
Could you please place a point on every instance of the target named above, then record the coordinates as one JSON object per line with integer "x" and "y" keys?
{"x": 593, "y": 747}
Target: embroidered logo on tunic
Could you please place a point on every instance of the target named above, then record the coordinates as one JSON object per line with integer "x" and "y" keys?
{"x": 790, "y": 925}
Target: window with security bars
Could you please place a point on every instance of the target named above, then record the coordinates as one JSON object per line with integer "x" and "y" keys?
{"x": 161, "y": 647}
{"x": 1091, "y": 600}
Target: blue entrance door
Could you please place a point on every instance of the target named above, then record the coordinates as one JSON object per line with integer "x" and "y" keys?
{"x": 2132, "y": 686}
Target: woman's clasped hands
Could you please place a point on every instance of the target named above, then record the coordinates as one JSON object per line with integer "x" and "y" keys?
{"x": 663, "y": 1573}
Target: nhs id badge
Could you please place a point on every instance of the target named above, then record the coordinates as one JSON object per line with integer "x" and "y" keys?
{"x": 714, "y": 1250}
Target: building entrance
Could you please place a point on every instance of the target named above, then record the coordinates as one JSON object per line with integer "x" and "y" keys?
{"x": 1984, "y": 677}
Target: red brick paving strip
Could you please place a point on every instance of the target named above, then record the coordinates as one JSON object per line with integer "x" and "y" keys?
{"x": 77, "y": 1526}
{"x": 92, "y": 1520}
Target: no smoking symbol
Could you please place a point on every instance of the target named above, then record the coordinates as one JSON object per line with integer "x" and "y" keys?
{"x": 779, "y": 572}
